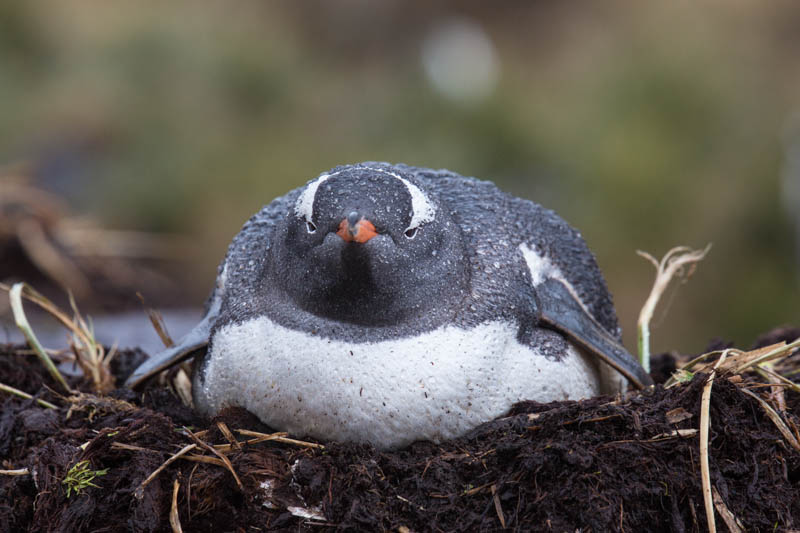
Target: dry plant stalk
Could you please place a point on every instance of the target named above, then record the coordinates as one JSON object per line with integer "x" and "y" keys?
{"x": 738, "y": 361}
{"x": 705, "y": 422}
{"x": 89, "y": 354}
{"x": 205, "y": 459}
{"x": 226, "y": 432}
{"x": 221, "y": 456}
{"x": 17, "y": 472}
{"x": 277, "y": 437}
{"x": 673, "y": 264}
{"x": 772, "y": 352}
{"x": 174, "y": 517}
{"x": 497, "y": 507}
{"x": 22, "y": 394}
{"x": 139, "y": 492}
{"x": 15, "y": 298}
{"x": 157, "y": 320}
{"x": 776, "y": 419}
{"x": 734, "y": 526}
{"x": 182, "y": 385}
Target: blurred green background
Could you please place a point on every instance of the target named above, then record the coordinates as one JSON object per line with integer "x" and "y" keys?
{"x": 644, "y": 124}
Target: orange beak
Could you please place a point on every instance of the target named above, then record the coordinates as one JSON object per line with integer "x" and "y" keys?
{"x": 362, "y": 231}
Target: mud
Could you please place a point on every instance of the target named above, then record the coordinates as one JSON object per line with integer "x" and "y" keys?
{"x": 604, "y": 464}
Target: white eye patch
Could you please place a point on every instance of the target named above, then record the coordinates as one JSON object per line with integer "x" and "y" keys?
{"x": 422, "y": 209}
{"x": 304, "y": 208}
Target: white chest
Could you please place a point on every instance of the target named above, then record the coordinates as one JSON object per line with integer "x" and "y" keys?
{"x": 436, "y": 386}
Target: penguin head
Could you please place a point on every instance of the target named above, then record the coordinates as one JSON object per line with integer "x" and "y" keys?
{"x": 367, "y": 245}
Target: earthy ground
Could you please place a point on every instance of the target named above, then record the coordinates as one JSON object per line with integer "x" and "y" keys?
{"x": 595, "y": 465}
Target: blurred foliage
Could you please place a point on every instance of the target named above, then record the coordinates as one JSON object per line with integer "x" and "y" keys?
{"x": 646, "y": 125}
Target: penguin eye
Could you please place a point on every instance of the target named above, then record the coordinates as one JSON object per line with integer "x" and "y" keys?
{"x": 310, "y": 227}
{"x": 410, "y": 233}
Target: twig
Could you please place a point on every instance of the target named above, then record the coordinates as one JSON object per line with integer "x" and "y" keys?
{"x": 211, "y": 449}
{"x": 409, "y": 502}
{"x": 277, "y": 437}
{"x": 204, "y": 459}
{"x": 87, "y": 345}
{"x": 131, "y": 447}
{"x": 574, "y": 421}
{"x": 139, "y": 492}
{"x": 223, "y": 428}
{"x": 90, "y": 355}
{"x": 734, "y": 526}
{"x": 676, "y": 434}
{"x": 753, "y": 386}
{"x": 30, "y": 294}
{"x": 778, "y": 382}
{"x": 773, "y": 354}
{"x": 740, "y": 361}
{"x": 18, "y": 472}
{"x": 776, "y": 419}
{"x": 475, "y": 490}
{"x": 690, "y": 432}
{"x": 174, "y": 517}
{"x": 497, "y": 507}
{"x": 189, "y": 493}
{"x": 22, "y": 394}
{"x": 690, "y": 365}
{"x": 705, "y": 473}
{"x": 589, "y": 420}
{"x": 776, "y": 394}
{"x": 15, "y": 298}
{"x": 157, "y": 320}
{"x": 671, "y": 264}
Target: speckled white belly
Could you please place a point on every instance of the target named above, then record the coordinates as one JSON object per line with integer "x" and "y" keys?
{"x": 436, "y": 386}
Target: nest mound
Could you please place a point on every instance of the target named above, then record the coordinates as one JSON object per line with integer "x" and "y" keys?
{"x": 602, "y": 464}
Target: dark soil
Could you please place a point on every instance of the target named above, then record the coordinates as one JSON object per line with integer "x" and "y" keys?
{"x": 594, "y": 465}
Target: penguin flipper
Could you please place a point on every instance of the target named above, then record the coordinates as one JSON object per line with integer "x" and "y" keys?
{"x": 560, "y": 309}
{"x": 256, "y": 231}
{"x": 196, "y": 339}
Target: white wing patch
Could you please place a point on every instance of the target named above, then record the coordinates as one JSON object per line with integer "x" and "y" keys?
{"x": 542, "y": 269}
{"x": 222, "y": 278}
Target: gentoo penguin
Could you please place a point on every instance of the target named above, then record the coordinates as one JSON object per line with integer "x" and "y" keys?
{"x": 386, "y": 304}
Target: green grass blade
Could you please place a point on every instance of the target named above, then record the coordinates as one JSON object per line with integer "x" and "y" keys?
{"x": 15, "y": 298}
